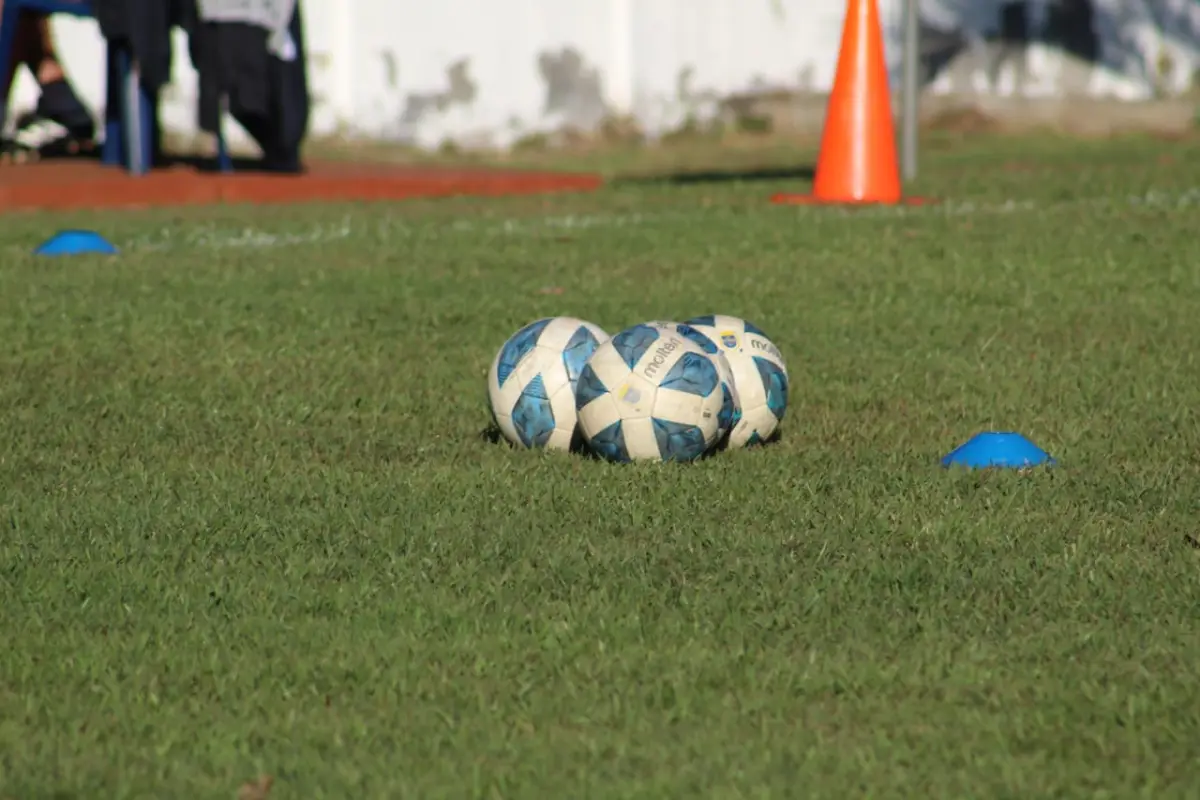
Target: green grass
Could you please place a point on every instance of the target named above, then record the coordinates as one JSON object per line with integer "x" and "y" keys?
{"x": 248, "y": 524}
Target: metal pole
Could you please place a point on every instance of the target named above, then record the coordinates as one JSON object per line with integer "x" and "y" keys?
{"x": 135, "y": 143}
{"x": 911, "y": 90}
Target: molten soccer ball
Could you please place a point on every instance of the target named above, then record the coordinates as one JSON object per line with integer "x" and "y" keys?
{"x": 731, "y": 409}
{"x": 649, "y": 393}
{"x": 531, "y": 385}
{"x": 758, "y": 371}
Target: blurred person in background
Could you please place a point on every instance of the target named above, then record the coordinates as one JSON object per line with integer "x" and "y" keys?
{"x": 249, "y": 57}
{"x": 252, "y": 53}
{"x": 59, "y": 124}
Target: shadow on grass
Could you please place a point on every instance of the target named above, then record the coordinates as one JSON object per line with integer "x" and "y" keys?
{"x": 165, "y": 160}
{"x": 208, "y": 164}
{"x": 775, "y": 438}
{"x": 732, "y": 175}
{"x": 491, "y": 435}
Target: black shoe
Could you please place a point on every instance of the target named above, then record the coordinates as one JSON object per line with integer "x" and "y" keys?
{"x": 59, "y": 103}
{"x": 39, "y": 137}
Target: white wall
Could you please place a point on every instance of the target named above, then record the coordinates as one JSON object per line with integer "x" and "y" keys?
{"x": 486, "y": 72}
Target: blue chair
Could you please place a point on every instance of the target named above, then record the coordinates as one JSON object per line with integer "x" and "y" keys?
{"x": 130, "y": 114}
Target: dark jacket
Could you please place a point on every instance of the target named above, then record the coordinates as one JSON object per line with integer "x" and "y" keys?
{"x": 266, "y": 95}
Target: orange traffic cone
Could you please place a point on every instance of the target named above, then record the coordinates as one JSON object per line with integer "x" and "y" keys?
{"x": 857, "y": 163}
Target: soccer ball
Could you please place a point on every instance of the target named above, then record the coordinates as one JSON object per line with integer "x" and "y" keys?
{"x": 531, "y": 385}
{"x": 731, "y": 409}
{"x": 758, "y": 370}
{"x": 649, "y": 394}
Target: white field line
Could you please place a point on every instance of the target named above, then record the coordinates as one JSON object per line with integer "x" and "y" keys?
{"x": 228, "y": 238}
{"x": 215, "y": 238}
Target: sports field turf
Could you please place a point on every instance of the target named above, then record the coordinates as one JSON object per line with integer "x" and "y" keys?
{"x": 249, "y": 524}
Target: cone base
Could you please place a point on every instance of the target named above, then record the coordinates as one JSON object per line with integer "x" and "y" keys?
{"x": 812, "y": 200}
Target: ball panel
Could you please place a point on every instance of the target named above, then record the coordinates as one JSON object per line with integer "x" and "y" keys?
{"x": 635, "y": 397}
{"x": 609, "y": 366}
{"x": 689, "y": 409}
{"x": 561, "y": 330}
{"x": 516, "y": 348}
{"x": 756, "y": 426}
{"x": 501, "y": 400}
{"x": 640, "y": 441}
{"x": 753, "y": 329}
{"x": 502, "y": 397}
{"x": 678, "y": 441}
{"x": 697, "y": 336}
{"x": 589, "y": 387}
{"x": 579, "y": 348}
{"x": 731, "y": 398}
{"x": 731, "y": 403}
{"x": 598, "y": 415}
{"x": 657, "y": 363}
{"x": 692, "y": 373}
{"x": 610, "y": 443}
{"x": 533, "y": 364}
{"x": 722, "y": 330}
{"x": 729, "y": 413}
{"x": 562, "y": 402}
{"x": 688, "y": 332}
{"x": 750, "y": 389}
{"x": 532, "y": 415}
{"x": 556, "y": 334}
{"x": 551, "y": 368}
{"x": 758, "y": 346}
{"x": 632, "y": 343}
{"x": 775, "y": 380}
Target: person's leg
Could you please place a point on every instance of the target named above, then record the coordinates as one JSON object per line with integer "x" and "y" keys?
{"x": 33, "y": 47}
{"x": 58, "y": 101}
{"x": 26, "y": 43}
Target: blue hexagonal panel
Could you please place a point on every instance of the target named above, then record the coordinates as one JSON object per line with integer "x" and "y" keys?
{"x": 707, "y": 344}
{"x": 754, "y": 329}
{"x": 578, "y": 350}
{"x": 677, "y": 441}
{"x": 517, "y": 347}
{"x": 694, "y": 374}
{"x": 532, "y": 414}
{"x": 632, "y": 343}
{"x": 589, "y": 387}
{"x": 775, "y": 381}
{"x": 610, "y": 443}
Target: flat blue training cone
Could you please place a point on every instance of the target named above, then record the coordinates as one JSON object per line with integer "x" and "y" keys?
{"x": 998, "y": 449}
{"x": 74, "y": 243}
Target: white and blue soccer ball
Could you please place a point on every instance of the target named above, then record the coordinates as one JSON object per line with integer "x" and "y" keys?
{"x": 531, "y": 384}
{"x": 731, "y": 410}
{"x": 649, "y": 394}
{"x": 759, "y": 372}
